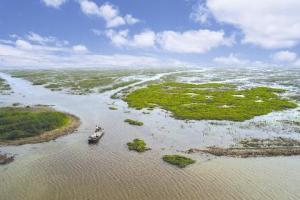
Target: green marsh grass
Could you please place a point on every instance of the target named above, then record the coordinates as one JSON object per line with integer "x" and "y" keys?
{"x": 134, "y": 122}
{"x": 178, "y": 160}
{"x": 19, "y": 122}
{"x": 211, "y": 101}
{"x": 137, "y": 145}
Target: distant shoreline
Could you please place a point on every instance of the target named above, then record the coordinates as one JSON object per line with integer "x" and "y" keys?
{"x": 73, "y": 124}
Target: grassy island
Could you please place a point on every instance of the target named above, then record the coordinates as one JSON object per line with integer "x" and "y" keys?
{"x": 21, "y": 125}
{"x": 133, "y": 122}
{"x": 137, "y": 145}
{"x": 178, "y": 160}
{"x": 211, "y": 101}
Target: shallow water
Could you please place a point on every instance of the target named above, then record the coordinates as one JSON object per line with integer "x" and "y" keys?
{"x": 69, "y": 168}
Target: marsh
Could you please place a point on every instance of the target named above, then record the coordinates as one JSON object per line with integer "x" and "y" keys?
{"x": 68, "y": 162}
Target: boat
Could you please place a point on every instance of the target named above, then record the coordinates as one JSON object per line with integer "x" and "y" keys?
{"x": 97, "y": 135}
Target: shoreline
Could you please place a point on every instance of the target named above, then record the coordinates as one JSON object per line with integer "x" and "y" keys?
{"x": 248, "y": 152}
{"x": 47, "y": 136}
{"x": 5, "y": 159}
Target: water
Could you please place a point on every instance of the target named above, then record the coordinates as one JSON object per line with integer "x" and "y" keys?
{"x": 69, "y": 168}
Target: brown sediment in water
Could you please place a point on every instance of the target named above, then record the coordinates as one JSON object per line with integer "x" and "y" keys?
{"x": 5, "y": 159}
{"x": 256, "y": 147}
{"x": 73, "y": 124}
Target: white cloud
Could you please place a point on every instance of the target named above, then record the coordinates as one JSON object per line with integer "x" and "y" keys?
{"x": 39, "y": 39}
{"x": 89, "y": 8}
{"x": 97, "y": 32}
{"x": 22, "y": 44}
{"x": 43, "y": 40}
{"x": 80, "y": 48}
{"x": 267, "y": 23}
{"x": 144, "y": 39}
{"x": 131, "y": 20}
{"x": 35, "y": 42}
{"x": 140, "y": 40}
{"x": 22, "y": 53}
{"x": 200, "y": 13}
{"x": 231, "y": 60}
{"x": 192, "y": 41}
{"x": 108, "y": 12}
{"x": 118, "y": 38}
{"x": 284, "y": 56}
{"x": 54, "y": 3}
{"x": 26, "y": 45}
{"x": 296, "y": 63}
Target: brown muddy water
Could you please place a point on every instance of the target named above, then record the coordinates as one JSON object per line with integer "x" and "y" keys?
{"x": 69, "y": 168}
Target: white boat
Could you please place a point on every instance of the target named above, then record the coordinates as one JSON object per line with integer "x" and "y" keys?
{"x": 95, "y": 137}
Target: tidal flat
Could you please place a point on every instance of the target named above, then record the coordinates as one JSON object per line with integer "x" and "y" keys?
{"x": 82, "y": 82}
{"x": 68, "y": 168}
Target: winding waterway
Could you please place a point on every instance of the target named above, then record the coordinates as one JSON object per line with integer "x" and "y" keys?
{"x": 69, "y": 168}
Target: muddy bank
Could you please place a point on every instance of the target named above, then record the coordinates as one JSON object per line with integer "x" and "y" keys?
{"x": 49, "y": 135}
{"x": 249, "y": 152}
{"x": 255, "y": 147}
{"x": 5, "y": 159}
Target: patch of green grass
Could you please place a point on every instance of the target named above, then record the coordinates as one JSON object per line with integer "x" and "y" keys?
{"x": 178, "y": 160}
{"x": 133, "y": 122}
{"x": 114, "y": 96}
{"x": 20, "y": 122}
{"x": 137, "y": 145}
{"x": 211, "y": 101}
{"x": 113, "y": 108}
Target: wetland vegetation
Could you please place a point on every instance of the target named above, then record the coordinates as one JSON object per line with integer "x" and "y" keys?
{"x": 112, "y": 108}
{"x": 138, "y": 145}
{"x": 210, "y": 101}
{"x": 253, "y": 147}
{"x": 4, "y": 87}
{"x": 20, "y": 125}
{"x": 134, "y": 122}
{"x": 178, "y": 160}
{"x": 82, "y": 82}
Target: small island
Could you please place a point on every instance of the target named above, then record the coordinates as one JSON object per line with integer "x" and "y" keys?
{"x": 178, "y": 160}
{"x": 134, "y": 122}
{"x": 113, "y": 108}
{"x": 137, "y": 145}
{"x": 23, "y": 125}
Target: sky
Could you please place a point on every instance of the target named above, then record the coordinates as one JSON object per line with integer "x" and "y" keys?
{"x": 156, "y": 33}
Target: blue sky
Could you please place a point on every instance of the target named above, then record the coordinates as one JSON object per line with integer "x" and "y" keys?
{"x": 157, "y": 33}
